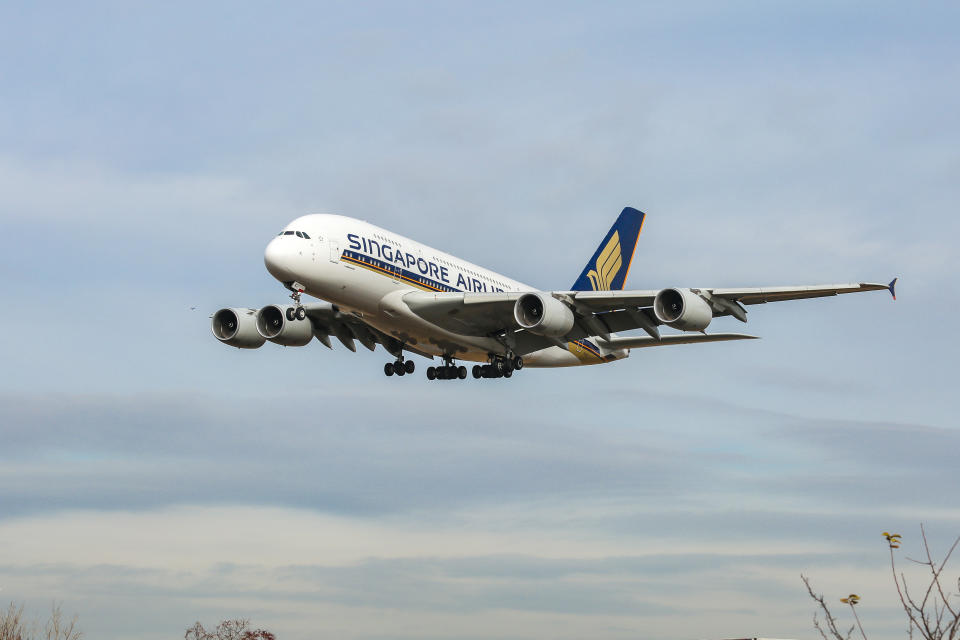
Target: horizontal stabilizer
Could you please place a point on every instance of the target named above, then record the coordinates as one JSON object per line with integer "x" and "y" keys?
{"x": 639, "y": 342}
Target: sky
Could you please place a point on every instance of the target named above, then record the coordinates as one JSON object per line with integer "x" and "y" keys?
{"x": 151, "y": 477}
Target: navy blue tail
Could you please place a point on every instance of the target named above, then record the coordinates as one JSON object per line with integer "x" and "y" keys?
{"x": 609, "y": 266}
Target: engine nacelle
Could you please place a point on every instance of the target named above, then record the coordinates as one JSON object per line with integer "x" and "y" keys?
{"x": 273, "y": 325}
{"x": 543, "y": 314}
{"x": 682, "y": 309}
{"x": 237, "y": 328}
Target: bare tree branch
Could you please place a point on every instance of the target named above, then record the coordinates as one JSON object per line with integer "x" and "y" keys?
{"x": 831, "y": 621}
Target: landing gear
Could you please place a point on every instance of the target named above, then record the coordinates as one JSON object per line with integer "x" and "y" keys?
{"x": 298, "y": 312}
{"x": 400, "y": 367}
{"x": 448, "y": 371}
{"x": 499, "y": 367}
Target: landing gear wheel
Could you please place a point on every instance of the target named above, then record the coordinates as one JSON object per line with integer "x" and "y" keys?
{"x": 410, "y": 366}
{"x": 518, "y": 363}
{"x": 507, "y": 373}
{"x": 388, "y": 369}
{"x": 477, "y": 371}
{"x": 291, "y": 314}
{"x": 301, "y": 313}
{"x": 398, "y": 368}
{"x": 431, "y": 373}
{"x": 462, "y": 372}
{"x": 508, "y": 366}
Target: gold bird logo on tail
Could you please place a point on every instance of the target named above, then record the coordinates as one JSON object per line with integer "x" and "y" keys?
{"x": 608, "y": 265}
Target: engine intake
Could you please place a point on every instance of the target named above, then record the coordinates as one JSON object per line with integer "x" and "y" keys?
{"x": 273, "y": 325}
{"x": 237, "y": 328}
{"x": 682, "y": 309}
{"x": 543, "y": 314}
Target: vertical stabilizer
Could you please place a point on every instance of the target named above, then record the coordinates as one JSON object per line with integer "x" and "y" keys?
{"x": 610, "y": 264}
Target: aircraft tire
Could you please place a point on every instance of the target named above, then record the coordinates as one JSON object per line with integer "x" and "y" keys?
{"x": 431, "y": 373}
{"x": 508, "y": 366}
{"x": 410, "y": 366}
{"x": 301, "y": 313}
{"x": 462, "y": 372}
{"x": 507, "y": 373}
{"x": 518, "y": 363}
{"x": 477, "y": 371}
{"x": 388, "y": 369}
{"x": 291, "y": 314}
{"x": 398, "y": 368}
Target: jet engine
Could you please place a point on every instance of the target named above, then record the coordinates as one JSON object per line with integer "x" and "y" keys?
{"x": 237, "y": 328}
{"x": 272, "y": 324}
{"x": 543, "y": 314}
{"x": 682, "y": 309}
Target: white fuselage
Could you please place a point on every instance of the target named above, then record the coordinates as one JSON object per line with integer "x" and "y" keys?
{"x": 366, "y": 270}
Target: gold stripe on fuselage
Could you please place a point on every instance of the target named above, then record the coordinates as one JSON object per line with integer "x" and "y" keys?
{"x": 386, "y": 272}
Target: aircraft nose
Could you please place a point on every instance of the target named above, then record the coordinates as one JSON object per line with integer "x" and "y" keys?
{"x": 276, "y": 259}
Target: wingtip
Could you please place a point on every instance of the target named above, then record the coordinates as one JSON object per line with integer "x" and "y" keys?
{"x": 893, "y": 287}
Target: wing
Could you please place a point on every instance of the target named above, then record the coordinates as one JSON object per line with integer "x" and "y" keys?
{"x": 602, "y": 313}
{"x": 776, "y": 294}
{"x": 328, "y": 320}
{"x": 722, "y": 301}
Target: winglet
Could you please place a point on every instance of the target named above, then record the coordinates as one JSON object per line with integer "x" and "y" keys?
{"x": 892, "y": 286}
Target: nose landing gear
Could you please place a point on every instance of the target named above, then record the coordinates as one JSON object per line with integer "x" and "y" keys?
{"x": 298, "y": 312}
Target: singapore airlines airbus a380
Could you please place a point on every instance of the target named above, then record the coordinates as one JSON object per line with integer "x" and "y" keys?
{"x": 382, "y": 288}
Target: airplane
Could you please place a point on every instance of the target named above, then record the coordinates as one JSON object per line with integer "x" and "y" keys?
{"x": 379, "y": 287}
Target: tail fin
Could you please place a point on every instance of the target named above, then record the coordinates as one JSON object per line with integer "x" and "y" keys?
{"x": 609, "y": 266}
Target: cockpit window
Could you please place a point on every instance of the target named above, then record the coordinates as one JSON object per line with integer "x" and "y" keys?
{"x": 305, "y": 235}
{"x": 299, "y": 234}
{"x": 288, "y": 233}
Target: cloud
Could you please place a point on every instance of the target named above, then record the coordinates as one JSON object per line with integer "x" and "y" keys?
{"x": 150, "y": 476}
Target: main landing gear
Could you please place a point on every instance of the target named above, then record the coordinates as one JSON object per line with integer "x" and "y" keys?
{"x": 499, "y": 367}
{"x": 448, "y": 371}
{"x": 399, "y": 368}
